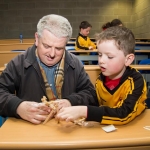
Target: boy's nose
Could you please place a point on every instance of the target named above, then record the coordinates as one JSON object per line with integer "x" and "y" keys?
{"x": 101, "y": 61}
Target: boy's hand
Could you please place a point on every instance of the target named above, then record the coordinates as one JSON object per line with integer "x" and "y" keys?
{"x": 90, "y": 47}
{"x": 72, "y": 113}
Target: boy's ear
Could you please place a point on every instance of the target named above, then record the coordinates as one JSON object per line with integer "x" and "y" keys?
{"x": 129, "y": 59}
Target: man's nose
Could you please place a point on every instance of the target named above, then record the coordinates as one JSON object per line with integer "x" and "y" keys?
{"x": 52, "y": 52}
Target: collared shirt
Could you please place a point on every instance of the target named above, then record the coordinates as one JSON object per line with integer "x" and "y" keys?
{"x": 50, "y": 74}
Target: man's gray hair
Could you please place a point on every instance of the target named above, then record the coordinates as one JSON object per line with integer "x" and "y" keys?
{"x": 57, "y": 25}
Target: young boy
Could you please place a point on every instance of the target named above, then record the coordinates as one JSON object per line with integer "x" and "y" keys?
{"x": 121, "y": 90}
{"x": 83, "y": 41}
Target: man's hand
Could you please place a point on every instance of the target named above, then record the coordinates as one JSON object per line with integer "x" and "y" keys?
{"x": 33, "y": 112}
{"x": 63, "y": 103}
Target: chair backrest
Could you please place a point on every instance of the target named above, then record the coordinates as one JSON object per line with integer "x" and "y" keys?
{"x": 145, "y": 62}
{"x": 145, "y": 73}
{"x": 18, "y": 50}
{"x": 70, "y": 48}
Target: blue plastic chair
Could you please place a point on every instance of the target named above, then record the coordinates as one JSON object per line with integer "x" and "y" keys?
{"x": 146, "y": 74}
{"x": 94, "y": 62}
{"x": 2, "y": 120}
{"x": 145, "y": 62}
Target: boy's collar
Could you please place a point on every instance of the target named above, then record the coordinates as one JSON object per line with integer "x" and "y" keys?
{"x": 85, "y": 37}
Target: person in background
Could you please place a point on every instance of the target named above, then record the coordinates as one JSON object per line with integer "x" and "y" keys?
{"x": 114, "y": 22}
{"x": 83, "y": 41}
{"x": 121, "y": 89}
{"x": 45, "y": 69}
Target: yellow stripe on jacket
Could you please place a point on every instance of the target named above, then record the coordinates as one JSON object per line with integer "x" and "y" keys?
{"x": 126, "y": 101}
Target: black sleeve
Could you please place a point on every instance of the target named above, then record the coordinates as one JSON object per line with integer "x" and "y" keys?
{"x": 79, "y": 46}
{"x": 85, "y": 92}
{"x": 81, "y": 90}
{"x": 94, "y": 113}
{"x": 8, "y": 99}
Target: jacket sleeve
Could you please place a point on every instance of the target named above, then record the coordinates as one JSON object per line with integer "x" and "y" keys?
{"x": 91, "y": 43}
{"x": 84, "y": 92}
{"x": 79, "y": 44}
{"x": 124, "y": 111}
{"x": 8, "y": 83}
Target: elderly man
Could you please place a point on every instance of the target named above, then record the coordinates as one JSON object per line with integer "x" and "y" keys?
{"x": 45, "y": 69}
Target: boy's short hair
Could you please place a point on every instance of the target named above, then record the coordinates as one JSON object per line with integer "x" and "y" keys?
{"x": 84, "y": 25}
{"x": 123, "y": 37}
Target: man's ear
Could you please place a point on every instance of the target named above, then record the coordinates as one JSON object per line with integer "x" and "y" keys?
{"x": 36, "y": 38}
{"x": 129, "y": 59}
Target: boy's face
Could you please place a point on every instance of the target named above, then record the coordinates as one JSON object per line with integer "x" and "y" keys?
{"x": 86, "y": 31}
{"x": 112, "y": 61}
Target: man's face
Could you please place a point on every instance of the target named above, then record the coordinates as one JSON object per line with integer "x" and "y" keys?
{"x": 50, "y": 48}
